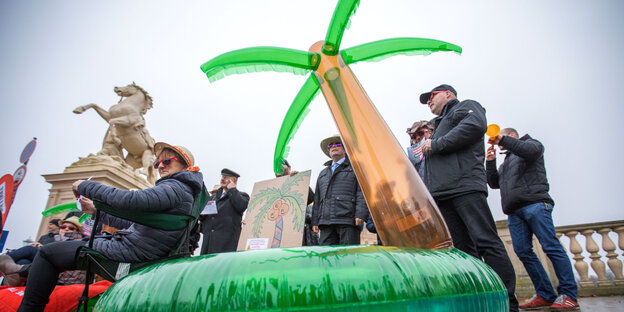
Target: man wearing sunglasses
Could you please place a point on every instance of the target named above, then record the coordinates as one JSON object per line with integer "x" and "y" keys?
{"x": 339, "y": 210}
{"x": 418, "y": 133}
{"x": 455, "y": 177}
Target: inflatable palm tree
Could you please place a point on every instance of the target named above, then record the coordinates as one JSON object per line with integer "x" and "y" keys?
{"x": 404, "y": 211}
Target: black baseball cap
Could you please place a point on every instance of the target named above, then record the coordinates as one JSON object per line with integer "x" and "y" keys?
{"x": 443, "y": 87}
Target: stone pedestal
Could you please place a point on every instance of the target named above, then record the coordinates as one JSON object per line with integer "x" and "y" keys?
{"x": 104, "y": 169}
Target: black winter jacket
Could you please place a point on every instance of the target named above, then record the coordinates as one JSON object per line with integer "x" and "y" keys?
{"x": 522, "y": 176}
{"x": 338, "y": 198}
{"x": 135, "y": 243}
{"x": 454, "y": 165}
{"x": 222, "y": 230}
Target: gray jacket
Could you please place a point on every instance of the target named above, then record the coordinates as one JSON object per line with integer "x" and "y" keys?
{"x": 135, "y": 242}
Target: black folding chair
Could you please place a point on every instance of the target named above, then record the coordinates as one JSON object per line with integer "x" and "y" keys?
{"x": 94, "y": 262}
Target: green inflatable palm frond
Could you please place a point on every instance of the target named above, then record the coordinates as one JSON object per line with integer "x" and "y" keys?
{"x": 293, "y": 119}
{"x": 258, "y": 59}
{"x": 339, "y": 22}
{"x": 382, "y": 49}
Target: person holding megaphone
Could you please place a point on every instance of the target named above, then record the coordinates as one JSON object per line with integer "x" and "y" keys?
{"x": 524, "y": 195}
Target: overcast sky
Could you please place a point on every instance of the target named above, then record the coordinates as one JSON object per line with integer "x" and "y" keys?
{"x": 548, "y": 68}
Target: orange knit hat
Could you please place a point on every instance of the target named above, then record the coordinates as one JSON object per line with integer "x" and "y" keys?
{"x": 181, "y": 151}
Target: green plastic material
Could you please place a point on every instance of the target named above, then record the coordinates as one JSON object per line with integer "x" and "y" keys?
{"x": 329, "y": 278}
{"x": 382, "y": 49}
{"x": 301, "y": 62}
{"x": 339, "y": 22}
{"x": 293, "y": 119}
{"x": 260, "y": 59}
{"x": 62, "y": 208}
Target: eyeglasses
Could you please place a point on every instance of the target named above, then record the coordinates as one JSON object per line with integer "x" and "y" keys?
{"x": 165, "y": 161}
{"x": 330, "y": 145}
{"x": 68, "y": 227}
{"x": 434, "y": 94}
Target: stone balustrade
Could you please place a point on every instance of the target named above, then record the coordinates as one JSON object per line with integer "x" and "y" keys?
{"x": 600, "y": 255}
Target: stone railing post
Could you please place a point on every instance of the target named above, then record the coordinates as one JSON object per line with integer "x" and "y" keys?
{"x": 603, "y": 287}
{"x": 581, "y": 266}
{"x": 619, "y": 278}
{"x": 596, "y": 263}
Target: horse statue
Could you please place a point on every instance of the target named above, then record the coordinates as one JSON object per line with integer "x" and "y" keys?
{"x": 127, "y": 129}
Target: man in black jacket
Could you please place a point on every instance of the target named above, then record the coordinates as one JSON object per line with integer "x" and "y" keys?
{"x": 455, "y": 177}
{"x": 222, "y": 228}
{"x": 525, "y": 199}
{"x": 339, "y": 210}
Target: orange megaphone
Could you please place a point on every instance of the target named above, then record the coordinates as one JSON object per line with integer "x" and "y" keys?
{"x": 492, "y": 130}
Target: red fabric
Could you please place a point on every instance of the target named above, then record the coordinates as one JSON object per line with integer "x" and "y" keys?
{"x": 63, "y": 298}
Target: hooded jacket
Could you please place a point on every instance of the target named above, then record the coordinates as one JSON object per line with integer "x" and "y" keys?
{"x": 135, "y": 243}
{"x": 338, "y": 198}
{"x": 522, "y": 176}
{"x": 454, "y": 165}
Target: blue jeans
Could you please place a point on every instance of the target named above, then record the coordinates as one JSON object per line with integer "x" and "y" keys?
{"x": 537, "y": 219}
{"x": 24, "y": 255}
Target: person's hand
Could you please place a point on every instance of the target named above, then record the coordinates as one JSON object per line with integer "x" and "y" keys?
{"x": 358, "y": 222}
{"x": 426, "y": 147}
{"x": 315, "y": 229}
{"x": 231, "y": 184}
{"x": 36, "y": 245}
{"x": 293, "y": 172}
{"x": 243, "y": 222}
{"x": 86, "y": 205}
{"x": 75, "y": 187}
{"x": 491, "y": 153}
{"x": 495, "y": 140}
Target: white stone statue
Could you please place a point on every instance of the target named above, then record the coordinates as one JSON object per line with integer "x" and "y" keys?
{"x": 127, "y": 129}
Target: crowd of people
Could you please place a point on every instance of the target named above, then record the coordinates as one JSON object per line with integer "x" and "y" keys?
{"x": 448, "y": 152}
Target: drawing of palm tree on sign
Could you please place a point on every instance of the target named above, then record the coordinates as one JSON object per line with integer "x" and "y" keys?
{"x": 274, "y": 203}
{"x": 403, "y": 209}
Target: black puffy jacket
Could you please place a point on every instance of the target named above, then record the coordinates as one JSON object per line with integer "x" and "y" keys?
{"x": 172, "y": 194}
{"x": 522, "y": 176}
{"x": 454, "y": 165}
{"x": 338, "y": 198}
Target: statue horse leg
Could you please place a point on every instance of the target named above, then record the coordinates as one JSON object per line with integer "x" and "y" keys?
{"x": 102, "y": 112}
{"x": 148, "y": 165}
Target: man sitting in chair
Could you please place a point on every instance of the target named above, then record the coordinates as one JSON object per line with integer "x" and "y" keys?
{"x": 174, "y": 192}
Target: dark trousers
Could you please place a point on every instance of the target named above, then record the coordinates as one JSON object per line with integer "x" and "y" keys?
{"x": 23, "y": 255}
{"x": 339, "y": 234}
{"x": 473, "y": 231}
{"x": 51, "y": 260}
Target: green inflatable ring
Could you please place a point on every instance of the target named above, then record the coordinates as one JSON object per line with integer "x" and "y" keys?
{"x": 320, "y": 278}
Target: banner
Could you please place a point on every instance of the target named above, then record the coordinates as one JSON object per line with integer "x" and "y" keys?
{"x": 276, "y": 213}
{"x": 6, "y": 195}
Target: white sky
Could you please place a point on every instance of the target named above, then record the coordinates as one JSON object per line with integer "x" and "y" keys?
{"x": 548, "y": 68}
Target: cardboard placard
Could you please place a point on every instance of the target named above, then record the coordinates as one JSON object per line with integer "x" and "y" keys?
{"x": 276, "y": 213}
